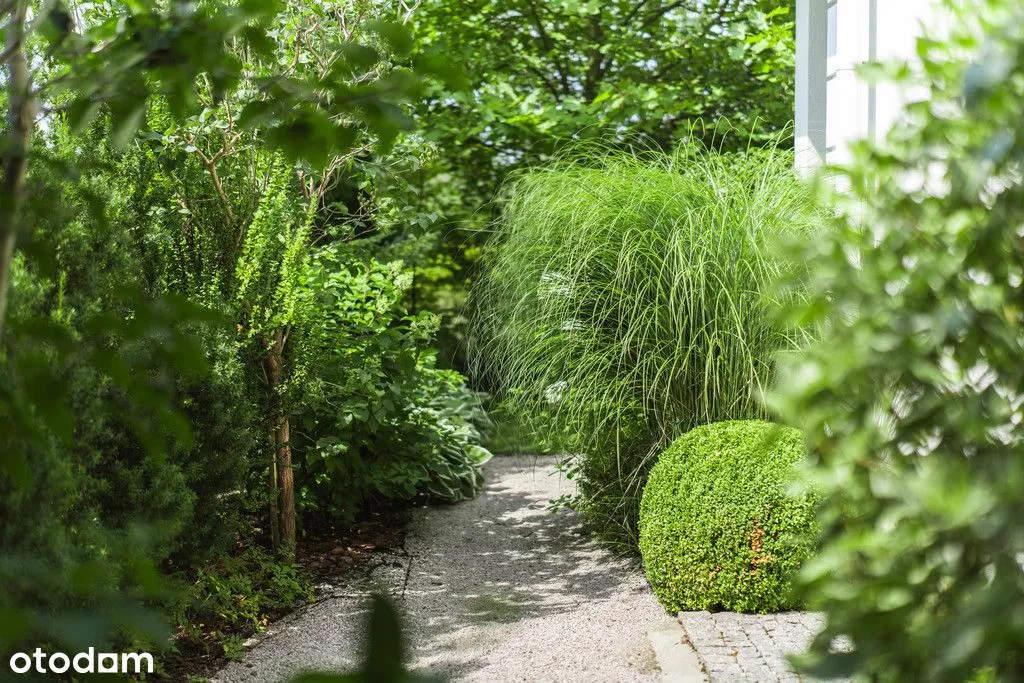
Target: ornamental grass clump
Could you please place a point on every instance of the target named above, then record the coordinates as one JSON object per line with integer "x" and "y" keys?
{"x": 626, "y": 302}
{"x": 717, "y": 527}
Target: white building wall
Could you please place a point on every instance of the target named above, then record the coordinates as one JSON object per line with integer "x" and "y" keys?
{"x": 834, "y": 106}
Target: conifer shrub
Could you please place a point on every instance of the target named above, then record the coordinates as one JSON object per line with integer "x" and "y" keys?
{"x": 717, "y": 528}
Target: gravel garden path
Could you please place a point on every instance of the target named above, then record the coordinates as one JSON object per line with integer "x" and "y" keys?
{"x": 501, "y": 589}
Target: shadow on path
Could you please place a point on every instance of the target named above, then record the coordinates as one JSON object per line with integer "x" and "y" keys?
{"x": 494, "y": 589}
{"x": 500, "y": 588}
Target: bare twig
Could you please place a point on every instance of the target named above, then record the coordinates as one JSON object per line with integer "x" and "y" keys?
{"x": 548, "y": 45}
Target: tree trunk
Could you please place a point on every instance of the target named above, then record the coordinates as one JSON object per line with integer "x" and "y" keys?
{"x": 282, "y": 481}
{"x": 275, "y": 520}
{"x": 20, "y": 123}
{"x": 595, "y": 62}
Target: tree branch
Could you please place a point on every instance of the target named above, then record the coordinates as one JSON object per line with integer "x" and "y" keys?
{"x": 211, "y": 166}
{"x": 635, "y": 11}
{"x": 595, "y": 61}
{"x": 548, "y": 45}
{"x": 657, "y": 14}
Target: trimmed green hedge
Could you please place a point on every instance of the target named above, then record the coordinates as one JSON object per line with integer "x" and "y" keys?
{"x": 717, "y": 530}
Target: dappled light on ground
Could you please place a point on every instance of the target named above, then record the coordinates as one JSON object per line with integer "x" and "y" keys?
{"x": 498, "y": 588}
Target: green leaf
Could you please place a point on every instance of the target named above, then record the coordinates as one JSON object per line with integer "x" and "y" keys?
{"x": 397, "y": 36}
{"x": 82, "y": 112}
{"x": 126, "y": 118}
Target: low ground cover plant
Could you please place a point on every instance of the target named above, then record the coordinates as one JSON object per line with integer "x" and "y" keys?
{"x": 626, "y": 302}
{"x": 717, "y": 527}
{"x": 912, "y": 400}
{"x": 224, "y": 602}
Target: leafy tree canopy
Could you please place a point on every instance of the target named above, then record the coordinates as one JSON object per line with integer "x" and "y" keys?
{"x": 547, "y": 72}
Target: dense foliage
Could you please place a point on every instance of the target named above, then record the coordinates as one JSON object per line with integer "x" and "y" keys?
{"x": 223, "y": 229}
{"x": 547, "y": 73}
{"x": 183, "y": 292}
{"x": 626, "y": 303}
{"x": 717, "y": 528}
{"x": 379, "y": 415}
{"x": 236, "y": 244}
{"x": 912, "y": 398}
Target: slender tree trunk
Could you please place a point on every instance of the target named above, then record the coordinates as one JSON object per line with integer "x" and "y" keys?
{"x": 20, "y": 123}
{"x": 275, "y": 520}
{"x": 286, "y": 483}
{"x": 282, "y": 480}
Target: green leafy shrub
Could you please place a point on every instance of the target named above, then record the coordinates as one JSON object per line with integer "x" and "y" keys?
{"x": 154, "y": 424}
{"x": 912, "y": 399}
{"x": 454, "y": 423}
{"x": 120, "y": 451}
{"x": 717, "y": 530}
{"x": 378, "y": 414}
{"x": 624, "y": 304}
{"x": 372, "y": 419}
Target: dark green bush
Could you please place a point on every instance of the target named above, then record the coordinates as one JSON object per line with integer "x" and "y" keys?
{"x": 124, "y": 487}
{"x": 717, "y": 530}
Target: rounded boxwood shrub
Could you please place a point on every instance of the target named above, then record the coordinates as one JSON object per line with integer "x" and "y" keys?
{"x": 717, "y": 529}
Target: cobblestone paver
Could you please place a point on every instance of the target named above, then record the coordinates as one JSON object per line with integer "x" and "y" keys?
{"x": 749, "y": 647}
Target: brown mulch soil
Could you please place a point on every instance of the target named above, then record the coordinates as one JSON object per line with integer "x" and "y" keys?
{"x": 329, "y": 553}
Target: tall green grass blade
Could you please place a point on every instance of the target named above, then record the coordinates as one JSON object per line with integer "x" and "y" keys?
{"x": 626, "y": 301}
